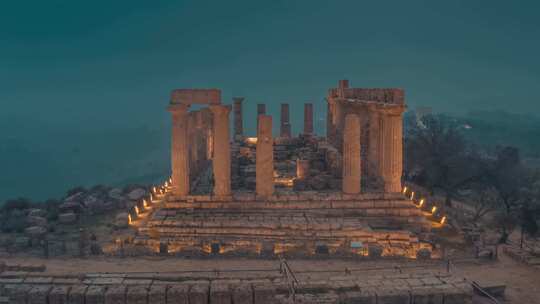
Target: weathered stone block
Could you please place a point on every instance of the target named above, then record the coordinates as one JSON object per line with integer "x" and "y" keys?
{"x": 178, "y": 294}
{"x": 392, "y": 296}
{"x": 426, "y": 295}
{"x": 95, "y": 295}
{"x": 77, "y": 293}
{"x": 264, "y": 294}
{"x": 358, "y": 297}
{"x": 17, "y": 294}
{"x": 242, "y": 294}
{"x": 198, "y": 293}
{"x": 219, "y": 293}
{"x": 38, "y": 294}
{"x": 157, "y": 294}
{"x": 137, "y": 294}
{"x": 59, "y": 294}
{"x": 115, "y": 294}
{"x": 456, "y": 296}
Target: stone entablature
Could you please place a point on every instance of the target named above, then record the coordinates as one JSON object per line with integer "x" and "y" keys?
{"x": 381, "y": 130}
{"x": 196, "y": 96}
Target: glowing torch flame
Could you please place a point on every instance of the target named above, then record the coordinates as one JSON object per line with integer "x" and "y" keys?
{"x": 405, "y": 190}
{"x": 433, "y": 209}
{"x": 136, "y": 210}
{"x": 412, "y": 195}
{"x": 443, "y": 220}
{"x": 421, "y": 203}
{"x": 129, "y": 219}
{"x": 144, "y": 203}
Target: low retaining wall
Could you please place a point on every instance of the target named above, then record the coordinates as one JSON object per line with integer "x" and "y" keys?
{"x": 167, "y": 288}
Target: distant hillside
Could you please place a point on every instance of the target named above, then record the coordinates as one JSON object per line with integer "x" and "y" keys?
{"x": 492, "y": 128}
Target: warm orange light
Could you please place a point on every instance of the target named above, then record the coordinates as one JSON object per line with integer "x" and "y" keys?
{"x": 144, "y": 203}
{"x": 129, "y": 219}
{"x": 167, "y": 184}
{"x": 405, "y": 190}
{"x": 136, "y": 210}
{"x": 412, "y": 195}
{"x": 151, "y": 197}
{"x": 433, "y": 209}
{"x": 154, "y": 189}
{"x": 251, "y": 140}
{"x": 443, "y": 220}
{"x": 421, "y": 203}
{"x": 170, "y": 180}
{"x": 285, "y": 181}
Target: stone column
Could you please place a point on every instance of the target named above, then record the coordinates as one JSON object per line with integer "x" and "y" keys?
{"x": 339, "y": 122}
{"x": 285, "y": 126}
{"x": 351, "y": 155}
{"x": 265, "y": 157}
{"x": 330, "y": 129}
{"x": 391, "y": 150}
{"x": 308, "y": 118}
{"x": 192, "y": 141}
{"x": 238, "y": 123}
{"x": 261, "y": 110}
{"x": 222, "y": 156}
{"x": 179, "y": 149}
{"x": 373, "y": 142}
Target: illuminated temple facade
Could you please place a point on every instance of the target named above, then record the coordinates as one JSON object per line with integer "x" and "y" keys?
{"x": 286, "y": 194}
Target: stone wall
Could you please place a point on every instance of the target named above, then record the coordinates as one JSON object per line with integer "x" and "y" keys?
{"x": 126, "y": 288}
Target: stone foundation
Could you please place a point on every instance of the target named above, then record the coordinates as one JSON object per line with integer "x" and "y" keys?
{"x": 158, "y": 288}
{"x": 290, "y": 224}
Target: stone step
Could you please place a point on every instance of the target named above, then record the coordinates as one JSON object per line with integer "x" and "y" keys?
{"x": 281, "y": 233}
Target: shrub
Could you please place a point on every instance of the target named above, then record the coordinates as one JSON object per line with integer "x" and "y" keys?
{"x": 16, "y": 204}
{"x": 13, "y": 224}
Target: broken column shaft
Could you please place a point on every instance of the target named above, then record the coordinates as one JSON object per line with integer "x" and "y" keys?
{"x": 285, "y": 125}
{"x": 238, "y": 123}
{"x": 308, "y": 118}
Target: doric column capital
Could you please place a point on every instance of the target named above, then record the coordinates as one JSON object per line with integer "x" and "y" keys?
{"x": 178, "y": 108}
{"x": 220, "y": 109}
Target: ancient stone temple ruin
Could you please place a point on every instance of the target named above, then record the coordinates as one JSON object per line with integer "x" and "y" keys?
{"x": 298, "y": 195}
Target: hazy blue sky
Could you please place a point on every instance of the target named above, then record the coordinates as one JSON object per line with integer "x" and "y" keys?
{"x": 90, "y": 69}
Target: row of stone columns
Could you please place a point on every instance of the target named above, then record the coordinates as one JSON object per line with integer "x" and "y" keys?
{"x": 384, "y": 149}
{"x": 285, "y": 124}
{"x": 181, "y": 149}
{"x": 184, "y": 146}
